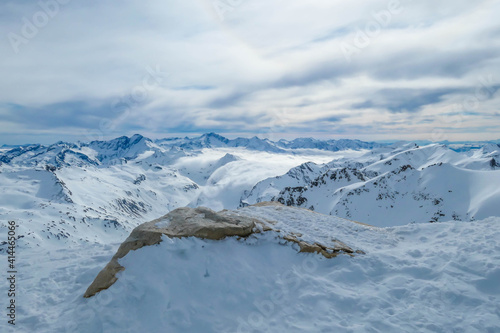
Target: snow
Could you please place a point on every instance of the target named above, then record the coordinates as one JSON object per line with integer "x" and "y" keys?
{"x": 140, "y": 179}
{"x": 223, "y": 180}
{"x": 440, "y": 277}
{"x": 393, "y": 185}
{"x": 113, "y": 186}
{"x": 76, "y": 202}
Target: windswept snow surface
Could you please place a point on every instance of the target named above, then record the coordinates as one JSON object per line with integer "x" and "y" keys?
{"x": 440, "y": 277}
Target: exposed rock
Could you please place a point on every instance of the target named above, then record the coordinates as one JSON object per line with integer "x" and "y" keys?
{"x": 183, "y": 222}
{"x": 268, "y": 203}
{"x": 203, "y": 223}
{"x": 326, "y": 251}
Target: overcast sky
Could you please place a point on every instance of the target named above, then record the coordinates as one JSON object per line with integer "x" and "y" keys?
{"x": 372, "y": 70}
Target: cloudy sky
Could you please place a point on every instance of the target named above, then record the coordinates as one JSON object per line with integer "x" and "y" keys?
{"x": 373, "y": 70}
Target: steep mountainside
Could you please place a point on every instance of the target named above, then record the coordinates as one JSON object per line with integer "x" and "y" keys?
{"x": 389, "y": 187}
{"x": 79, "y": 192}
{"x": 109, "y": 187}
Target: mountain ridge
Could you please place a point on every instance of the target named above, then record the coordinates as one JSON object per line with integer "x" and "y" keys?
{"x": 123, "y": 149}
{"x": 109, "y": 187}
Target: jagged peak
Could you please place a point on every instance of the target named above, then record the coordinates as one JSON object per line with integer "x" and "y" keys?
{"x": 214, "y": 135}
{"x": 122, "y": 141}
{"x": 138, "y": 137}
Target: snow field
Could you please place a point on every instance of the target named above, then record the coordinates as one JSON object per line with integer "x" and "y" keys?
{"x": 440, "y": 277}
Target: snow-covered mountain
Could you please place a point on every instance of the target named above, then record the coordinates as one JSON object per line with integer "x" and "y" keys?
{"x": 163, "y": 151}
{"x": 74, "y": 203}
{"x": 62, "y": 154}
{"x": 333, "y": 145}
{"x": 395, "y": 184}
{"x": 61, "y": 190}
{"x": 213, "y": 140}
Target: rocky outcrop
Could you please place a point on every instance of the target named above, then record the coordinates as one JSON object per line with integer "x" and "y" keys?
{"x": 327, "y": 251}
{"x": 183, "y": 222}
{"x": 203, "y": 223}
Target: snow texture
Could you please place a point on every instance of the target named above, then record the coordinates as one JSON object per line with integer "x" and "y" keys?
{"x": 440, "y": 277}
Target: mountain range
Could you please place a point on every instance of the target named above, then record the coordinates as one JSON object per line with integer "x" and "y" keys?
{"x": 393, "y": 185}
{"x": 61, "y": 190}
{"x": 74, "y": 203}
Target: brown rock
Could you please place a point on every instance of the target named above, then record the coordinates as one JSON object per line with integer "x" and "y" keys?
{"x": 204, "y": 223}
{"x": 199, "y": 222}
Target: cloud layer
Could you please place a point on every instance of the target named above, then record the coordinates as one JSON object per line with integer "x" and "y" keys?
{"x": 359, "y": 69}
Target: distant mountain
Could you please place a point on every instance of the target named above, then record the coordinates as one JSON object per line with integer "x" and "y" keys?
{"x": 213, "y": 140}
{"x": 331, "y": 145}
{"x": 143, "y": 150}
{"x": 121, "y": 148}
{"x": 61, "y": 190}
{"x": 116, "y": 151}
{"x": 58, "y": 155}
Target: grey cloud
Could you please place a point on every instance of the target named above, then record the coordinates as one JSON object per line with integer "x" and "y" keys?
{"x": 405, "y": 100}
{"x": 414, "y": 64}
{"x": 236, "y": 73}
{"x": 76, "y": 114}
{"x": 229, "y": 100}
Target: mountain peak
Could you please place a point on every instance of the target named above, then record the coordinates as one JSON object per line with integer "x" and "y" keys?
{"x": 136, "y": 136}
{"x": 214, "y": 135}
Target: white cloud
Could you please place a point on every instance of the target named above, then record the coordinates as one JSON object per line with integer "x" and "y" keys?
{"x": 241, "y": 73}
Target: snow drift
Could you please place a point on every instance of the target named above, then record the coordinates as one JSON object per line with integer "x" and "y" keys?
{"x": 440, "y": 277}
{"x": 202, "y": 223}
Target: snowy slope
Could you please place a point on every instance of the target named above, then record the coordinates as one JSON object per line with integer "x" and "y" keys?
{"x": 404, "y": 196}
{"x": 79, "y": 192}
{"x": 79, "y": 204}
{"x": 76, "y": 202}
{"x": 440, "y": 277}
{"x": 393, "y": 185}
{"x": 224, "y": 178}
